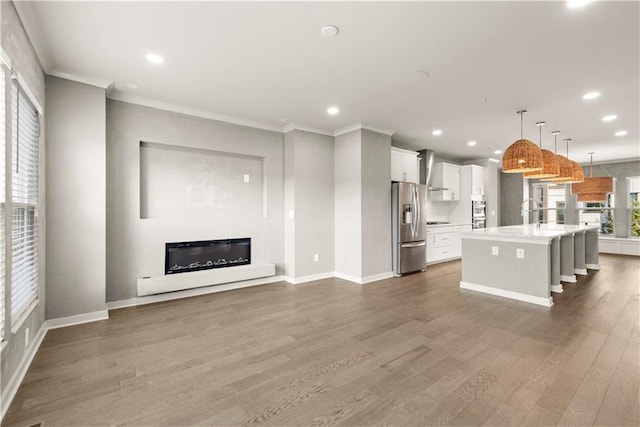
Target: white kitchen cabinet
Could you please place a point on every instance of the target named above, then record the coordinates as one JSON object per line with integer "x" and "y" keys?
{"x": 404, "y": 165}
{"x": 478, "y": 180}
{"x": 444, "y": 243}
{"x": 447, "y": 177}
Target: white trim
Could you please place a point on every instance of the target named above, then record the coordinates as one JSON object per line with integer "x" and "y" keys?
{"x": 376, "y": 277}
{"x": 347, "y": 129}
{"x": 195, "y": 112}
{"x": 78, "y": 319}
{"x": 15, "y": 326}
{"x": 558, "y": 289}
{"x": 580, "y": 271}
{"x": 32, "y": 28}
{"x": 570, "y": 279}
{"x": 405, "y": 151}
{"x": 366, "y": 279}
{"x": 14, "y": 383}
{"x": 150, "y": 299}
{"x": 309, "y": 278}
{"x": 87, "y": 80}
{"x": 593, "y": 266}
{"x": 495, "y": 238}
{"x": 5, "y": 58}
{"x": 348, "y": 277}
{"x": 25, "y": 87}
{"x": 547, "y": 302}
{"x": 295, "y": 126}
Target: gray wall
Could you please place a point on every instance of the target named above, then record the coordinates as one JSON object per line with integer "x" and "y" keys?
{"x": 16, "y": 44}
{"x": 376, "y": 203}
{"x": 76, "y": 198}
{"x": 348, "y": 203}
{"x": 511, "y": 196}
{"x": 309, "y": 191}
{"x": 135, "y": 246}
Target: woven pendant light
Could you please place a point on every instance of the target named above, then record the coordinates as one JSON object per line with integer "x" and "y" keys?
{"x": 550, "y": 166}
{"x": 523, "y": 155}
{"x": 573, "y": 170}
{"x": 566, "y": 168}
{"x": 592, "y": 185}
{"x": 592, "y": 197}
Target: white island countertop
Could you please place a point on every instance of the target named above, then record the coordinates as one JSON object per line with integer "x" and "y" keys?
{"x": 528, "y": 233}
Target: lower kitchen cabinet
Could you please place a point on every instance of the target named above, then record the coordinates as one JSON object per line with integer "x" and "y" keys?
{"x": 444, "y": 242}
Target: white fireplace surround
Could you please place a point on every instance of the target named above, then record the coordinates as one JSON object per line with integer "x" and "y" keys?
{"x": 197, "y": 279}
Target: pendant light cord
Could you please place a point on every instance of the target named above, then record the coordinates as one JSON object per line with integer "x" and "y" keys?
{"x": 521, "y": 123}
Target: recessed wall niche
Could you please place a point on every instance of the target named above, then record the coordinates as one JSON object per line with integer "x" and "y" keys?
{"x": 184, "y": 182}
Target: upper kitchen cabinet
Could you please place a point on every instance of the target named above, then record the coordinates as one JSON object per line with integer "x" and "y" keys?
{"x": 404, "y": 165}
{"x": 445, "y": 182}
{"x": 478, "y": 181}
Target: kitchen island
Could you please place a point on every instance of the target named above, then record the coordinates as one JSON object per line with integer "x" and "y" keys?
{"x": 527, "y": 262}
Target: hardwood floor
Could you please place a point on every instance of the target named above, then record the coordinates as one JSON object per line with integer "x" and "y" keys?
{"x": 410, "y": 351}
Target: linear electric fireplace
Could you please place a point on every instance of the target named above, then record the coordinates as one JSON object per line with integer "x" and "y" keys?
{"x": 206, "y": 254}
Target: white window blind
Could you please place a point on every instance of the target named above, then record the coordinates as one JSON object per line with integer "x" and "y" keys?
{"x": 2, "y": 198}
{"x": 24, "y": 197}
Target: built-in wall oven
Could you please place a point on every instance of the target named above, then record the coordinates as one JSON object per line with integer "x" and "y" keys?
{"x": 478, "y": 214}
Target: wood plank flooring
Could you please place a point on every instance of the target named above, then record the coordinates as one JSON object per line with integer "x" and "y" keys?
{"x": 411, "y": 351}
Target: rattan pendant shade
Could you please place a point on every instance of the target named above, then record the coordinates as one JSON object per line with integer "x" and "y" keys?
{"x": 570, "y": 172}
{"x": 550, "y": 165}
{"x": 523, "y": 155}
{"x": 592, "y": 197}
{"x": 593, "y": 186}
{"x": 565, "y": 168}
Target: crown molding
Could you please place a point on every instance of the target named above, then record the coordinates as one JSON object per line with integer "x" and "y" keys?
{"x": 360, "y": 125}
{"x": 91, "y": 81}
{"x": 32, "y": 28}
{"x": 295, "y": 126}
{"x": 196, "y": 112}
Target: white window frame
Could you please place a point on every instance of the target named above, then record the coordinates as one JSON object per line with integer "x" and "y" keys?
{"x": 582, "y": 207}
{"x": 630, "y": 208}
{"x": 543, "y": 210}
{"x": 18, "y": 318}
{"x": 3, "y": 114}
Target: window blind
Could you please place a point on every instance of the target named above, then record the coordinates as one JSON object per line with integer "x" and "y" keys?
{"x": 2, "y": 198}
{"x": 24, "y": 197}
{"x": 634, "y": 185}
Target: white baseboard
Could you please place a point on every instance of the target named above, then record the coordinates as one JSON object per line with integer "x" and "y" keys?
{"x": 547, "y": 302}
{"x": 150, "y": 299}
{"x": 363, "y": 280}
{"x": 309, "y": 278}
{"x": 569, "y": 279}
{"x": 593, "y": 266}
{"x": 376, "y": 277}
{"x": 558, "y": 289}
{"x": 580, "y": 271}
{"x": 62, "y": 322}
{"x": 14, "y": 383}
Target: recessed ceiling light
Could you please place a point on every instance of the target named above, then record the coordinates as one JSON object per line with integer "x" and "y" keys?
{"x": 132, "y": 86}
{"x": 497, "y": 152}
{"x": 436, "y": 132}
{"x": 621, "y": 133}
{"x": 329, "y": 31}
{"x": 154, "y": 58}
{"x": 333, "y": 111}
{"x": 609, "y": 118}
{"x": 591, "y": 95}
{"x": 471, "y": 143}
{"x": 574, "y": 4}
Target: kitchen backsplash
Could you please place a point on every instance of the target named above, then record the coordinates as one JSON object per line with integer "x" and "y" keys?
{"x": 438, "y": 211}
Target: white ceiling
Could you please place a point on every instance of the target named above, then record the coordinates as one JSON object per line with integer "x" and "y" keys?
{"x": 267, "y": 63}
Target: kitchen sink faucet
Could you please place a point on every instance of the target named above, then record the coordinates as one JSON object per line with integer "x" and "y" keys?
{"x": 536, "y": 209}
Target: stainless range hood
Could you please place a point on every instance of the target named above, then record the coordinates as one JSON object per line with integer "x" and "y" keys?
{"x": 426, "y": 166}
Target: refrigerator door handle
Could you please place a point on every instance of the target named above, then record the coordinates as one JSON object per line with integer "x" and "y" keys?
{"x": 413, "y": 245}
{"x": 416, "y": 218}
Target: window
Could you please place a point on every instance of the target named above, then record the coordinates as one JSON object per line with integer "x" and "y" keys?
{"x": 2, "y": 198}
{"x": 633, "y": 185}
{"x": 24, "y": 198}
{"x": 553, "y": 199}
{"x": 599, "y": 213}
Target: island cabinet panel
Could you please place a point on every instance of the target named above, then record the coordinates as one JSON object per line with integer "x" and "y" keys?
{"x": 567, "y": 254}
{"x": 556, "y": 286}
{"x": 592, "y": 252}
{"x": 579, "y": 264}
{"x": 506, "y": 274}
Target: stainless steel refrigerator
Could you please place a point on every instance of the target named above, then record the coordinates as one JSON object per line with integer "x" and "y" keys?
{"x": 409, "y": 222}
